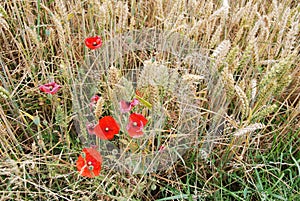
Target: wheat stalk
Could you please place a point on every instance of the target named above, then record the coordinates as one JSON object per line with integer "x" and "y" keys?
{"x": 174, "y": 77}
{"x": 253, "y": 90}
{"x": 99, "y": 108}
{"x": 216, "y": 36}
{"x": 275, "y": 10}
{"x": 4, "y": 24}
{"x": 191, "y": 80}
{"x": 33, "y": 35}
{"x": 291, "y": 38}
{"x": 232, "y": 59}
{"x": 265, "y": 93}
{"x": 252, "y": 34}
{"x": 257, "y": 116}
{"x": 244, "y": 100}
{"x": 277, "y": 72}
{"x": 153, "y": 73}
{"x": 239, "y": 35}
{"x": 122, "y": 11}
{"x": 256, "y": 58}
{"x": 228, "y": 83}
{"x": 61, "y": 7}
{"x": 221, "y": 51}
{"x": 248, "y": 129}
{"x": 247, "y": 56}
{"x": 265, "y": 28}
{"x": 114, "y": 76}
{"x": 60, "y": 30}
{"x": 154, "y": 98}
{"x": 283, "y": 24}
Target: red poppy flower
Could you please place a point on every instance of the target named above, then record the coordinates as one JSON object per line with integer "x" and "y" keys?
{"x": 127, "y": 106}
{"x": 136, "y": 125}
{"x": 50, "y": 88}
{"x": 106, "y": 128}
{"x": 93, "y": 42}
{"x": 89, "y": 163}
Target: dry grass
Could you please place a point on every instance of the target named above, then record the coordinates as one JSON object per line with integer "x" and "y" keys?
{"x": 245, "y": 109}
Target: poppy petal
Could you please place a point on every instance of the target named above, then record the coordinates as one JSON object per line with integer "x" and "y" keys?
{"x": 134, "y": 102}
{"x": 89, "y": 163}
{"x": 125, "y": 106}
{"x": 90, "y": 128}
{"x": 134, "y": 132}
{"x": 93, "y": 42}
{"x": 94, "y": 153}
{"x": 55, "y": 89}
{"x": 135, "y": 117}
{"x": 95, "y": 98}
{"x": 50, "y": 88}
{"x": 45, "y": 89}
{"x": 93, "y": 102}
{"x": 136, "y": 125}
{"x": 106, "y": 128}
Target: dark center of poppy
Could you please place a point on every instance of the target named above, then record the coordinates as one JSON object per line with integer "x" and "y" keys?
{"x": 106, "y": 129}
{"x": 91, "y": 167}
{"x": 50, "y": 87}
{"x": 134, "y": 123}
{"x": 89, "y": 163}
{"x": 94, "y": 43}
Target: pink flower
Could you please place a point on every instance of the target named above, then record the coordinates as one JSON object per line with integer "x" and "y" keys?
{"x": 94, "y": 100}
{"x": 50, "y": 88}
{"x": 127, "y": 106}
{"x": 136, "y": 125}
